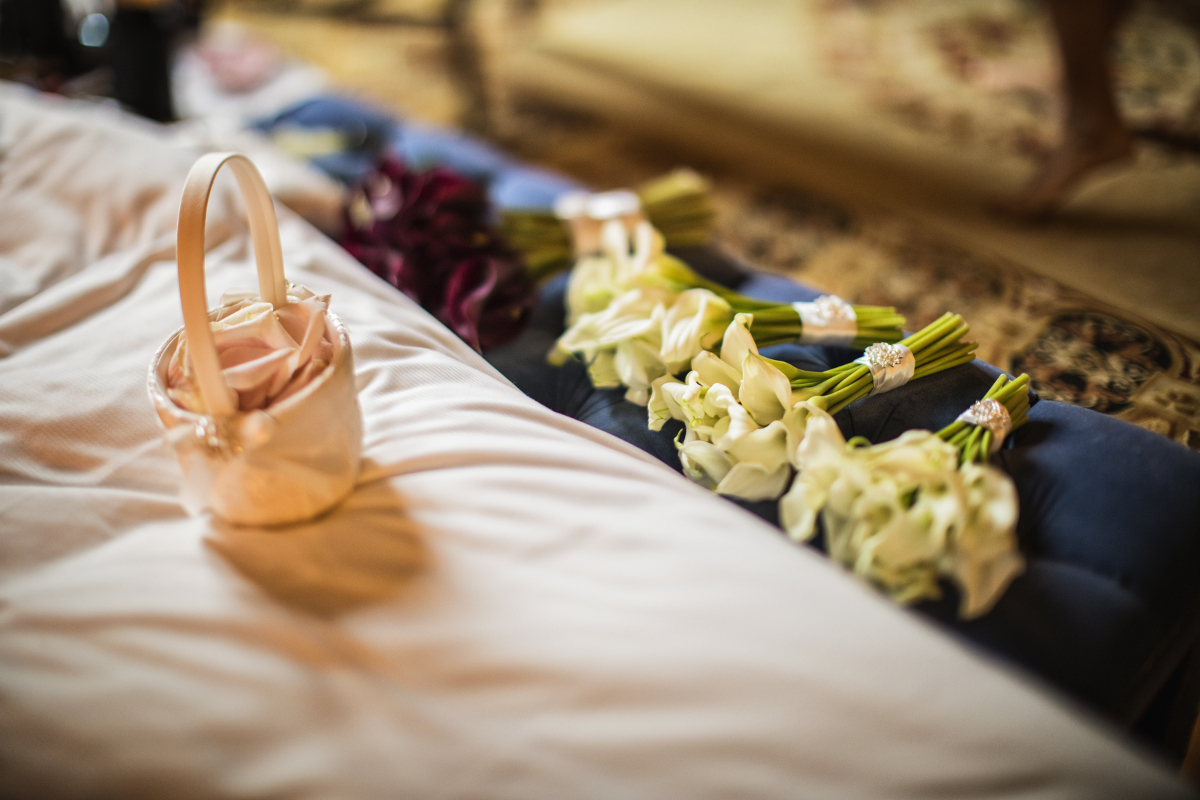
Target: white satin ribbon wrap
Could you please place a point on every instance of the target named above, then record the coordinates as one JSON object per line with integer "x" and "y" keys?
{"x": 990, "y": 414}
{"x": 828, "y": 320}
{"x": 891, "y": 365}
{"x": 585, "y": 214}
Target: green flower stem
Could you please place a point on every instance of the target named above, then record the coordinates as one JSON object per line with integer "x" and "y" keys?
{"x": 679, "y": 204}
{"x": 541, "y": 239}
{"x": 935, "y": 347}
{"x": 781, "y": 324}
{"x": 974, "y": 442}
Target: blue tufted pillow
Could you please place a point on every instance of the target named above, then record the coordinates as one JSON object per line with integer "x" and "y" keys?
{"x": 1110, "y": 513}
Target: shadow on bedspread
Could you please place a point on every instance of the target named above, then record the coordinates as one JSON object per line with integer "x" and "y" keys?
{"x": 364, "y": 553}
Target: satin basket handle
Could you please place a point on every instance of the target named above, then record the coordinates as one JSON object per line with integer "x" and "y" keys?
{"x": 268, "y": 253}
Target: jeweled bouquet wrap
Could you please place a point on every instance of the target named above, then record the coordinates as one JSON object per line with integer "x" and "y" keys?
{"x": 745, "y": 415}
{"x": 979, "y": 432}
{"x": 257, "y": 395}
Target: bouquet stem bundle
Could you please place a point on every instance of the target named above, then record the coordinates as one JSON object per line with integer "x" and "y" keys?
{"x": 678, "y": 204}
{"x": 638, "y": 316}
{"x": 935, "y": 347}
{"x": 975, "y": 442}
{"x": 779, "y": 323}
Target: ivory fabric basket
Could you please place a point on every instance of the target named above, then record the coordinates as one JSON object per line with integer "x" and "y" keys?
{"x": 290, "y": 461}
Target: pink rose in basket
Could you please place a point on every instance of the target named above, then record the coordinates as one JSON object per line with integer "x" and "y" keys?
{"x": 267, "y": 354}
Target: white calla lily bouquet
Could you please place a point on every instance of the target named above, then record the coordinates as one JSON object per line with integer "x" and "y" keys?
{"x": 904, "y": 514}
{"x": 744, "y": 415}
{"x": 636, "y": 315}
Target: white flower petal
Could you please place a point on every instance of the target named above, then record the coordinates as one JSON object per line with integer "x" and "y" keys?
{"x": 717, "y": 398}
{"x": 638, "y": 365}
{"x": 713, "y": 372}
{"x": 766, "y": 447}
{"x": 765, "y": 391}
{"x": 704, "y": 463}
{"x": 593, "y": 285}
{"x": 738, "y": 341}
{"x": 754, "y": 482}
{"x": 603, "y": 371}
{"x": 798, "y": 509}
{"x": 736, "y": 424}
{"x": 691, "y": 325}
{"x": 658, "y": 411}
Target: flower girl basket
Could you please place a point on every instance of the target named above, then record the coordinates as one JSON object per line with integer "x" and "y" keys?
{"x": 291, "y": 460}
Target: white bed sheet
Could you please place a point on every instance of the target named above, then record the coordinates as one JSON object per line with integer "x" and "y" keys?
{"x": 510, "y": 605}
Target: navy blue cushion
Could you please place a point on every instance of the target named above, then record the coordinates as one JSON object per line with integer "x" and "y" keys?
{"x": 1110, "y": 517}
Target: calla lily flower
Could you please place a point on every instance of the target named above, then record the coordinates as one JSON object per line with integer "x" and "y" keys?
{"x": 737, "y": 342}
{"x": 692, "y": 325}
{"x": 631, "y": 325}
{"x": 620, "y": 344}
{"x": 712, "y": 372}
{"x": 765, "y": 391}
{"x": 739, "y": 404}
{"x": 903, "y": 514}
{"x": 597, "y": 280}
{"x": 427, "y": 234}
{"x": 704, "y": 463}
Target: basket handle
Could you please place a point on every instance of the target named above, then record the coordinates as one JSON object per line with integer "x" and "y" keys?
{"x": 264, "y": 231}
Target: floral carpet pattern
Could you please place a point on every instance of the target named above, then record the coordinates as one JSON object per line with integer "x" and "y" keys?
{"x": 985, "y": 72}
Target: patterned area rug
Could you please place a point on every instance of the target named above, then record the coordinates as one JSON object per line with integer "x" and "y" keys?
{"x": 984, "y": 72}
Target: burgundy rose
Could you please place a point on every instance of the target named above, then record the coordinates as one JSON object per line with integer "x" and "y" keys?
{"x": 426, "y": 233}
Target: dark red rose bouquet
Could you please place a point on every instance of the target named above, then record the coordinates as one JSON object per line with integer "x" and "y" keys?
{"x": 427, "y": 234}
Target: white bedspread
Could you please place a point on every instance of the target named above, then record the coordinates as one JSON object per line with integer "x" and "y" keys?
{"x": 511, "y": 604}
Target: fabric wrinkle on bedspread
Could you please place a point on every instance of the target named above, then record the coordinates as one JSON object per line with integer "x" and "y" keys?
{"x": 518, "y": 605}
